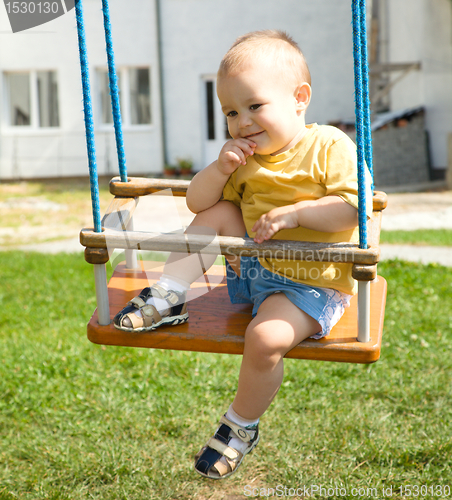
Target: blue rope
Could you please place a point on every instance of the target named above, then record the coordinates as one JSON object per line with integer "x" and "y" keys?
{"x": 366, "y": 99}
{"x": 89, "y": 123}
{"x": 114, "y": 93}
{"x": 359, "y": 20}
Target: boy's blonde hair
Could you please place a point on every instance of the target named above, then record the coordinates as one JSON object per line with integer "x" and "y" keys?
{"x": 274, "y": 46}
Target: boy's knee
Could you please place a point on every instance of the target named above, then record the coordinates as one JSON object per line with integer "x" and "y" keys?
{"x": 264, "y": 345}
{"x": 228, "y": 210}
{"x": 224, "y": 217}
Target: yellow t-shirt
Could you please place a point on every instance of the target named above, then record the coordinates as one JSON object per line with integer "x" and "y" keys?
{"x": 323, "y": 163}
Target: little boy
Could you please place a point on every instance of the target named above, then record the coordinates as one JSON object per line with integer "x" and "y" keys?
{"x": 276, "y": 177}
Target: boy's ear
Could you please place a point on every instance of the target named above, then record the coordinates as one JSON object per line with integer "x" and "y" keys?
{"x": 303, "y": 96}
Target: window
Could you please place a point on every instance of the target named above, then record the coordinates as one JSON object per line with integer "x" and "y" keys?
{"x": 19, "y": 99}
{"x": 210, "y": 111}
{"x": 47, "y": 98}
{"x": 33, "y": 99}
{"x": 140, "y": 103}
{"x": 211, "y": 118}
{"x": 134, "y": 94}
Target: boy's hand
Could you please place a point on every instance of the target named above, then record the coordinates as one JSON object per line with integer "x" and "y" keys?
{"x": 233, "y": 154}
{"x": 273, "y": 221}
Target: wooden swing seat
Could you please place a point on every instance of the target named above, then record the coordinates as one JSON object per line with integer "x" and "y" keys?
{"x": 215, "y": 325}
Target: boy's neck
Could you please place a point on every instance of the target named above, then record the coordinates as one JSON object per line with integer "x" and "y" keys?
{"x": 293, "y": 142}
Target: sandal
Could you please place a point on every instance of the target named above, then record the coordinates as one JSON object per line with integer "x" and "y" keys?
{"x": 208, "y": 461}
{"x": 150, "y": 319}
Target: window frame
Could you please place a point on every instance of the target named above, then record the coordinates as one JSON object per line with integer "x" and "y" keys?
{"x": 125, "y": 99}
{"x": 34, "y": 102}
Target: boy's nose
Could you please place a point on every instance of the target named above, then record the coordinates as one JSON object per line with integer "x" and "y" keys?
{"x": 244, "y": 120}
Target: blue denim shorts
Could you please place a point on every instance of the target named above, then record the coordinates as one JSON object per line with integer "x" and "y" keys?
{"x": 256, "y": 283}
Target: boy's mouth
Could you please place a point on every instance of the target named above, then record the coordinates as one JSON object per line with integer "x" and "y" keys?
{"x": 250, "y": 136}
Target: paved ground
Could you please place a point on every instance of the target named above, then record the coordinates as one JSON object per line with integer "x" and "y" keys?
{"x": 409, "y": 211}
{"x": 430, "y": 210}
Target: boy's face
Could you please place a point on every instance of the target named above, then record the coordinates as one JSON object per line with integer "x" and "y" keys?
{"x": 264, "y": 108}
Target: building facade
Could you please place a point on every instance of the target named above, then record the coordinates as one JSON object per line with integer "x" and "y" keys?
{"x": 167, "y": 54}
{"x": 41, "y": 127}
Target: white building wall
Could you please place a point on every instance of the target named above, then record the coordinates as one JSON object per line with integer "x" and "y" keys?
{"x": 61, "y": 151}
{"x": 197, "y": 33}
{"x": 421, "y": 30}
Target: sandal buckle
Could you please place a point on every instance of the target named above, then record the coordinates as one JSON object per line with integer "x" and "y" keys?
{"x": 167, "y": 295}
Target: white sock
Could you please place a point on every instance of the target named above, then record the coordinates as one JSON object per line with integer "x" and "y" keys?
{"x": 232, "y": 415}
{"x": 172, "y": 283}
{"x": 236, "y": 442}
{"x": 168, "y": 283}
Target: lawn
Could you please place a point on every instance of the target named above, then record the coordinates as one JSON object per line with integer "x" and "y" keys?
{"x": 433, "y": 237}
{"x": 80, "y": 421}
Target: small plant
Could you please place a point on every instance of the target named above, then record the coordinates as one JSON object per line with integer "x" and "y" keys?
{"x": 170, "y": 170}
{"x": 185, "y": 166}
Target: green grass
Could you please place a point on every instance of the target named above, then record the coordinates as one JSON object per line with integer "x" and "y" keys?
{"x": 434, "y": 237}
{"x": 84, "y": 421}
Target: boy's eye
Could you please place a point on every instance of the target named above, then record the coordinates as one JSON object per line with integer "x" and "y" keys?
{"x": 231, "y": 114}
{"x": 253, "y": 107}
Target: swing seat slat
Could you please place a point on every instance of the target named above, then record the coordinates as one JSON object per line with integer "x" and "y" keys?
{"x": 217, "y": 326}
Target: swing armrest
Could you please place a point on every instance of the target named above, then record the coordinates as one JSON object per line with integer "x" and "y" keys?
{"x": 379, "y": 201}
{"x": 226, "y": 245}
{"x": 139, "y": 186}
{"x": 119, "y": 213}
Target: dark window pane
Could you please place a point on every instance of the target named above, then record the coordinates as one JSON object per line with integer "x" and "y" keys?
{"x": 210, "y": 112}
{"x": 140, "y": 96}
{"x": 48, "y": 99}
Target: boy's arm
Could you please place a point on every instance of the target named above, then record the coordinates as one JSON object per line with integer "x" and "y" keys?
{"x": 330, "y": 214}
{"x": 206, "y": 187}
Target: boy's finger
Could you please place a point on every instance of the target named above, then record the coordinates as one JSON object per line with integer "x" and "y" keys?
{"x": 250, "y": 143}
{"x": 239, "y": 152}
{"x": 247, "y": 146}
{"x": 260, "y": 231}
{"x": 234, "y": 156}
{"x": 264, "y": 230}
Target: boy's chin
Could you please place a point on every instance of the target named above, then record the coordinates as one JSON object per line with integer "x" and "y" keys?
{"x": 267, "y": 151}
{"x": 263, "y": 150}
{"x": 270, "y": 149}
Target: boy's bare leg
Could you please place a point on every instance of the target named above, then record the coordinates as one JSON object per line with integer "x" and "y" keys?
{"x": 224, "y": 219}
{"x": 278, "y": 327}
